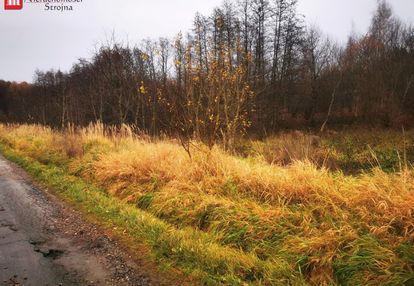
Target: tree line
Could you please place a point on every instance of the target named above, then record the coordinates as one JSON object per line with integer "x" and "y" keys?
{"x": 250, "y": 66}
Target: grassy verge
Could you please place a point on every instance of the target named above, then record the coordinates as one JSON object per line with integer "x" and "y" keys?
{"x": 231, "y": 220}
{"x": 194, "y": 252}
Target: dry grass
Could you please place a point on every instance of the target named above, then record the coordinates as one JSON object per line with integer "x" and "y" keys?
{"x": 323, "y": 226}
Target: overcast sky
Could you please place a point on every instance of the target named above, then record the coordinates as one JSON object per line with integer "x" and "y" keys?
{"x": 34, "y": 38}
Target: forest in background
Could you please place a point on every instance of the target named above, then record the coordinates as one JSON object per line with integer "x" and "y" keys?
{"x": 252, "y": 66}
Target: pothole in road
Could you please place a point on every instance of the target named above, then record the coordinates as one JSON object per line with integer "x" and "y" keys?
{"x": 50, "y": 253}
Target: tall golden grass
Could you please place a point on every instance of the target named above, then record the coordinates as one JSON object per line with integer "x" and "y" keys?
{"x": 329, "y": 228}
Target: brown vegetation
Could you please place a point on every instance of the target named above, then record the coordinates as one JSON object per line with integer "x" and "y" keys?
{"x": 263, "y": 219}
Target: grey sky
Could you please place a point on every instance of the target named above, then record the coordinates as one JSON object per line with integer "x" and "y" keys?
{"x": 33, "y": 38}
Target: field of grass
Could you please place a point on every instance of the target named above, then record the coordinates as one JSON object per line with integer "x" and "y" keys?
{"x": 293, "y": 209}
